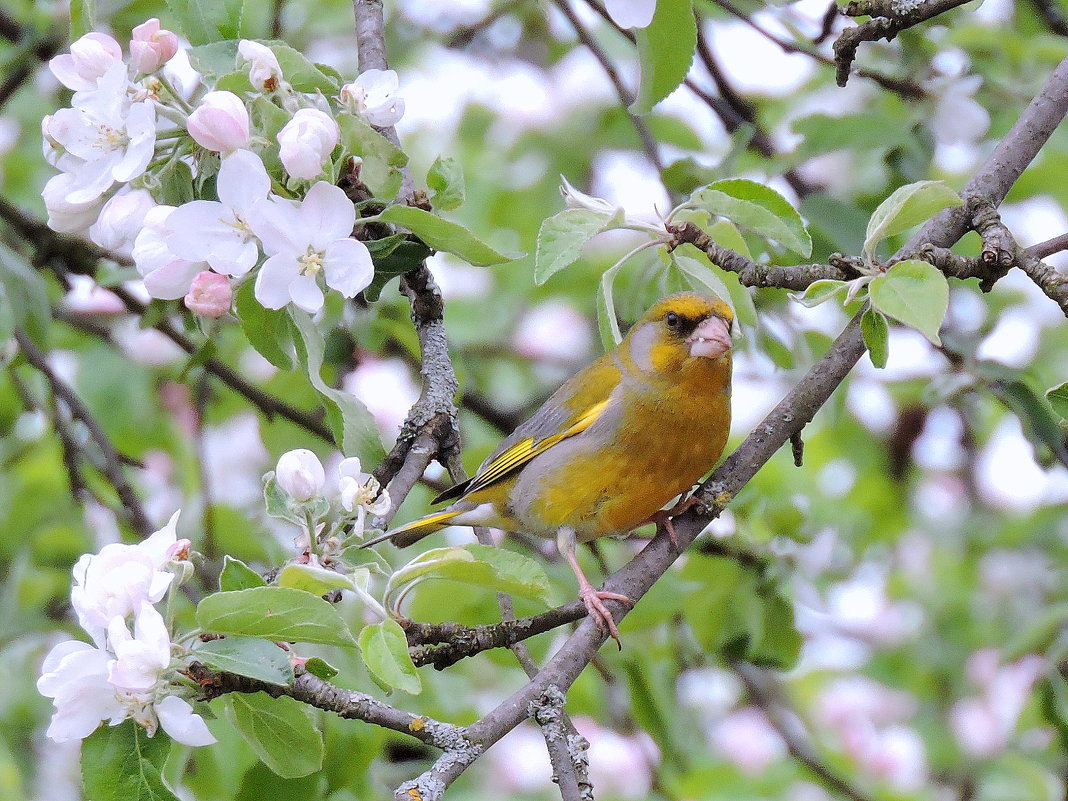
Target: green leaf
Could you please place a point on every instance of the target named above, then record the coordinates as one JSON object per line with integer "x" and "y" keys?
{"x": 313, "y": 579}
{"x": 174, "y": 184}
{"x": 702, "y": 278}
{"x": 27, "y": 293}
{"x": 122, "y": 763}
{"x": 1040, "y": 425}
{"x": 607, "y": 322}
{"x": 780, "y": 643}
{"x": 876, "y": 332}
{"x": 82, "y": 18}
{"x": 824, "y": 134}
{"x": 267, "y": 330}
{"x": 665, "y": 52}
{"x": 280, "y": 730}
{"x": 726, "y": 234}
{"x": 562, "y": 237}
{"x": 756, "y": 207}
{"x": 385, "y": 652}
{"x": 382, "y": 159}
{"x": 299, "y": 72}
{"x": 1058, "y": 399}
{"x": 355, "y": 430}
{"x": 820, "y": 292}
{"x": 480, "y": 565}
{"x": 915, "y": 293}
{"x": 442, "y": 234}
{"x": 446, "y": 178}
{"x": 236, "y": 575}
{"x": 910, "y": 205}
{"x": 247, "y": 656}
{"x": 204, "y": 21}
{"x": 274, "y": 613}
{"x": 405, "y": 256}
{"x": 320, "y": 668}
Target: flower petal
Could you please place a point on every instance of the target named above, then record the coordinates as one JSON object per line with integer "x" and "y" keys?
{"x": 328, "y": 214}
{"x": 348, "y": 266}
{"x": 273, "y": 280}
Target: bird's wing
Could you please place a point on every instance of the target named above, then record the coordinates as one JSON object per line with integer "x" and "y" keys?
{"x": 571, "y": 410}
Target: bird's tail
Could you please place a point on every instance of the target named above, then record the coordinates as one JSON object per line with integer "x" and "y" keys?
{"x": 411, "y": 533}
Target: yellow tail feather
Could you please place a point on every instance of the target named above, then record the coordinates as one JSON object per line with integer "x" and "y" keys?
{"x": 410, "y": 533}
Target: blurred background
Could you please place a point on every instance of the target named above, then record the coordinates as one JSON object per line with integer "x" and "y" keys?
{"x": 921, "y": 547}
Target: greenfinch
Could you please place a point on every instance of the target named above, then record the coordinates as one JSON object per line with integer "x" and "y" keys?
{"x": 612, "y": 446}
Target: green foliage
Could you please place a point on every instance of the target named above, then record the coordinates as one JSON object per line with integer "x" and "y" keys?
{"x": 756, "y": 207}
{"x": 446, "y": 179}
{"x": 120, "y": 763}
{"x": 384, "y": 649}
{"x": 280, "y": 730}
{"x": 274, "y": 613}
{"x": 236, "y": 575}
{"x": 247, "y": 656}
{"x": 915, "y": 293}
{"x": 665, "y": 51}
{"x": 908, "y": 206}
{"x": 442, "y": 234}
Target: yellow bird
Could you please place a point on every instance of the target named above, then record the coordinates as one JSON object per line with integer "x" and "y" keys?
{"x": 612, "y": 446}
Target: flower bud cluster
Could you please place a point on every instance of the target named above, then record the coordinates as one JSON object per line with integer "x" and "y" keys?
{"x": 130, "y": 137}
{"x": 124, "y": 674}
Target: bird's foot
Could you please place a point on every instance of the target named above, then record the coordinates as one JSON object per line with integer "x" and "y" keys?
{"x": 662, "y": 519}
{"x": 595, "y": 608}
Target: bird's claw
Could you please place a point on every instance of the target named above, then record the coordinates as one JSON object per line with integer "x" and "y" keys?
{"x": 595, "y": 608}
{"x": 662, "y": 519}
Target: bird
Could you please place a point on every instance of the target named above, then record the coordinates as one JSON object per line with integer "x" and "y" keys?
{"x": 612, "y": 446}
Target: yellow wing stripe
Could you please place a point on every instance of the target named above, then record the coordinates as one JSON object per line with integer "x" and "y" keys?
{"x": 523, "y": 451}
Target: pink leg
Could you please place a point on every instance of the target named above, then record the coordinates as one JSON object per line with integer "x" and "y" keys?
{"x": 663, "y": 517}
{"x": 592, "y": 598}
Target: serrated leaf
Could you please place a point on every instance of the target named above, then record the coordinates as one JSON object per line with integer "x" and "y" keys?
{"x": 562, "y": 237}
{"x": 665, "y": 52}
{"x": 279, "y": 730}
{"x": 355, "y": 430}
{"x": 276, "y": 501}
{"x": 267, "y": 330}
{"x": 236, "y": 575}
{"x": 274, "y": 613}
{"x": 313, "y": 579}
{"x": 876, "y": 332}
{"x": 442, "y": 234}
{"x": 382, "y": 159}
{"x": 480, "y": 565}
{"x": 757, "y": 207}
{"x": 915, "y": 293}
{"x": 385, "y": 652}
{"x": 909, "y": 205}
{"x": 446, "y": 178}
{"x": 1058, "y": 399}
{"x": 819, "y": 292}
{"x": 122, "y": 763}
{"x": 247, "y": 656}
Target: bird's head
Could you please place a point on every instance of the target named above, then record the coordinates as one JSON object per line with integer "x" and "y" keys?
{"x": 680, "y": 328}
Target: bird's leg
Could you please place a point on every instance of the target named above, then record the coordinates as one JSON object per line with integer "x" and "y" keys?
{"x": 662, "y": 519}
{"x": 592, "y": 598}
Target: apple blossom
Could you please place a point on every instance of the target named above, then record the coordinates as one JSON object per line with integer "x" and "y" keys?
{"x": 210, "y": 295}
{"x": 89, "y": 59}
{"x": 75, "y": 676}
{"x": 220, "y": 123}
{"x": 306, "y": 142}
{"x": 116, "y": 581}
{"x": 167, "y": 276}
{"x": 264, "y": 72}
{"x": 300, "y": 473}
{"x": 121, "y": 220}
{"x": 631, "y": 13}
{"x": 151, "y": 46}
{"x": 302, "y": 240}
{"x": 574, "y": 199}
{"x": 223, "y": 237}
{"x": 63, "y": 216}
{"x": 373, "y": 96}
{"x": 361, "y": 492}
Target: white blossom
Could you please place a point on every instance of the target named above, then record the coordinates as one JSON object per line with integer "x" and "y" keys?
{"x": 121, "y": 220}
{"x": 305, "y": 239}
{"x": 151, "y": 46}
{"x": 264, "y": 71}
{"x": 306, "y": 142}
{"x": 63, "y": 216}
{"x": 300, "y": 473}
{"x": 166, "y": 275}
{"x": 89, "y": 59}
{"x": 631, "y": 13}
{"x": 374, "y": 96}
{"x": 361, "y": 492}
{"x": 75, "y": 676}
{"x": 220, "y": 123}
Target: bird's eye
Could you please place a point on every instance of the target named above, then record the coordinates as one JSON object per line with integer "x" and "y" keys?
{"x": 672, "y": 319}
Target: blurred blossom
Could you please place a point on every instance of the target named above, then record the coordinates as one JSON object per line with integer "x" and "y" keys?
{"x": 836, "y": 478}
{"x": 443, "y": 17}
{"x": 235, "y": 460}
{"x": 151, "y": 46}
{"x": 387, "y": 388}
{"x": 264, "y": 70}
{"x": 157, "y": 481}
{"x": 306, "y": 142}
{"x": 89, "y": 59}
{"x": 255, "y": 366}
{"x": 861, "y": 608}
{"x": 300, "y": 473}
{"x": 374, "y": 95}
{"x": 627, "y": 179}
{"x": 939, "y": 446}
{"x": 1014, "y": 340}
{"x": 897, "y": 756}
{"x": 459, "y": 280}
{"x": 957, "y": 116}
{"x": 982, "y": 725}
{"x": 631, "y": 13}
{"x": 146, "y": 346}
{"x": 619, "y": 764}
{"x": 519, "y": 764}
{"x": 210, "y": 295}
{"x": 710, "y": 691}
{"x": 847, "y": 702}
{"x": 747, "y": 740}
{"x": 752, "y": 62}
{"x": 553, "y": 331}
{"x": 220, "y": 123}
{"x": 1008, "y": 575}
{"x": 121, "y": 220}
{"x": 86, "y": 296}
{"x": 1008, "y": 475}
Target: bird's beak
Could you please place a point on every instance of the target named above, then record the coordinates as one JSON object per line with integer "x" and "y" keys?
{"x": 711, "y": 339}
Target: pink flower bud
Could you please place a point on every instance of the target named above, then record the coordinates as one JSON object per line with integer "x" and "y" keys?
{"x": 210, "y": 295}
{"x": 220, "y": 123}
{"x": 264, "y": 72}
{"x": 151, "y": 46}
{"x": 89, "y": 58}
{"x": 300, "y": 474}
{"x": 306, "y": 142}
